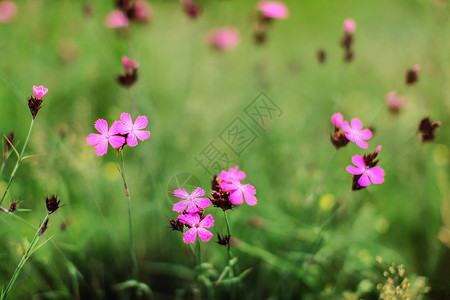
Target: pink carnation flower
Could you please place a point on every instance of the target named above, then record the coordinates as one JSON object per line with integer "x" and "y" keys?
{"x": 197, "y": 227}
{"x": 8, "y": 10}
{"x": 349, "y": 25}
{"x": 133, "y": 131}
{"x": 117, "y": 19}
{"x": 142, "y": 11}
{"x": 100, "y": 141}
{"x": 374, "y": 175}
{"x": 192, "y": 202}
{"x": 337, "y": 119}
{"x": 355, "y": 134}
{"x": 416, "y": 68}
{"x": 394, "y": 101}
{"x": 239, "y": 192}
{"x": 225, "y": 38}
{"x": 232, "y": 175}
{"x": 129, "y": 64}
{"x": 273, "y": 9}
{"x": 39, "y": 91}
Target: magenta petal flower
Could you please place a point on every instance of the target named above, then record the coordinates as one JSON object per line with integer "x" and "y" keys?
{"x": 239, "y": 192}
{"x": 133, "y": 131}
{"x": 39, "y": 91}
{"x": 129, "y": 64}
{"x": 349, "y": 25}
{"x": 197, "y": 227}
{"x": 337, "y": 119}
{"x": 225, "y": 38}
{"x": 192, "y": 202}
{"x": 273, "y": 9}
{"x": 355, "y": 134}
{"x": 8, "y": 10}
{"x": 374, "y": 175}
{"x": 100, "y": 141}
{"x": 117, "y": 19}
{"x": 232, "y": 175}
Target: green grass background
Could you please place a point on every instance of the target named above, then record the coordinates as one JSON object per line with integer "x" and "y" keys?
{"x": 190, "y": 93}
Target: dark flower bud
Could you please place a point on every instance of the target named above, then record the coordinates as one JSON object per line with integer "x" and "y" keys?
{"x": 220, "y": 197}
{"x": 412, "y": 75}
{"x": 43, "y": 228}
{"x": 52, "y": 204}
{"x": 427, "y": 128}
{"x": 9, "y": 140}
{"x": 128, "y": 79}
{"x": 338, "y": 139}
{"x": 224, "y": 240}
{"x": 176, "y": 225}
{"x": 13, "y": 206}
{"x": 321, "y": 56}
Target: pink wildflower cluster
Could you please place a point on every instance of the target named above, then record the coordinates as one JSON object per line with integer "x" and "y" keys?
{"x": 225, "y": 38}
{"x": 365, "y": 171}
{"x": 123, "y": 132}
{"x": 128, "y": 11}
{"x": 227, "y": 190}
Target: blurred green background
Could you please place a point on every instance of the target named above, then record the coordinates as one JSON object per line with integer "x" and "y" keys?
{"x": 191, "y": 93}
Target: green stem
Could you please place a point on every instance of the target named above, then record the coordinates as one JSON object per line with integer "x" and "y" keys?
{"x": 130, "y": 223}
{"x": 229, "y": 234}
{"x": 22, "y": 262}
{"x": 19, "y": 160}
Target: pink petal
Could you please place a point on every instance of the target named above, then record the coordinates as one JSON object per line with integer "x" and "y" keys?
{"x": 364, "y": 180}
{"x": 115, "y": 128}
{"x": 190, "y": 235}
{"x": 142, "y": 134}
{"x": 203, "y": 202}
{"x": 228, "y": 186}
{"x": 204, "y": 234}
{"x": 141, "y": 122}
{"x": 181, "y": 193}
{"x": 127, "y": 123}
{"x": 190, "y": 219}
{"x": 358, "y": 161}
{"x": 250, "y": 198}
{"x": 350, "y": 137}
{"x": 376, "y": 175}
{"x": 180, "y": 206}
{"x": 236, "y": 197}
{"x": 345, "y": 126}
{"x": 101, "y": 148}
{"x": 198, "y": 192}
{"x": 361, "y": 143}
{"x": 354, "y": 170}
{"x": 337, "y": 119}
{"x": 94, "y": 138}
{"x": 365, "y": 134}
{"x": 131, "y": 139}
{"x": 356, "y": 124}
{"x": 207, "y": 222}
{"x": 116, "y": 141}
{"x": 101, "y": 126}
{"x": 192, "y": 208}
{"x": 116, "y": 19}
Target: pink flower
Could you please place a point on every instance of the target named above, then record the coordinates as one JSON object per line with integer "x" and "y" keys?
{"x": 239, "y": 192}
{"x": 8, "y": 10}
{"x": 133, "y": 131}
{"x": 416, "y": 68}
{"x": 142, "y": 11}
{"x": 273, "y": 9}
{"x": 374, "y": 175}
{"x": 129, "y": 64}
{"x": 39, "y": 91}
{"x": 192, "y": 202}
{"x": 394, "y": 101}
{"x": 100, "y": 141}
{"x": 197, "y": 226}
{"x": 116, "y": 19}
{"x": 349, "y": 25}
{"x": 355, "y": 134}
{"x": 232, "y": 175}
{"x": 337, "y": 119}
{"x": 225, "y": 38}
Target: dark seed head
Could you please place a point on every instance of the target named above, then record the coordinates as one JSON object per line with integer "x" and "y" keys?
{"x": 13, "y": 206}
{"x": 128, "y": 79}
{"x": 411, "y": 77}
{"x": 224, "y": 240}
{"x": 338, "y": 139}
{"x": 176, "y": 225}
{"x": 321, "y": 56}
{"x": 35, "y": 105}
{"x": 427, "y": 128}
{"x": 43, "y": 228}
{"x": 52, "y": 204}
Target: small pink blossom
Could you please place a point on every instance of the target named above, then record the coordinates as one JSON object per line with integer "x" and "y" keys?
{"x": 355, "y": 134}
{"x": 133, "y": 131}
{"x": 8, "y": 11}
{"x": 39, "y": 91}
{"x": 416, "y": 68}
{"x": 349, "y": 25}
{"x": 129, "y": 64}
{"x": 337, "y": 119}
{"x": 197, "y": 227}
{"x": 100, "y": 141}
{"x": 142, "y": 11}
{"x": 239, "y": 192}
{"x": 225, "y": 38}
{"x": 374, "y": 175}
{"x": 394, "y": 101}
{"x": 192, "y": 202}
{"x": 117, "y": 19}
{"x": 232, "y": 175}
{"x": 273, "y": 9}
